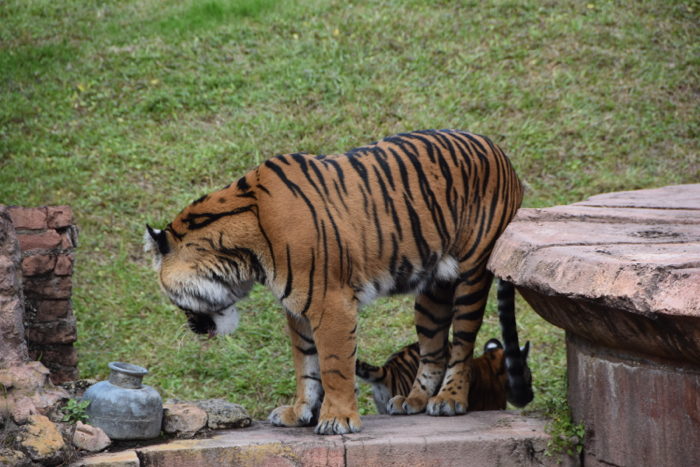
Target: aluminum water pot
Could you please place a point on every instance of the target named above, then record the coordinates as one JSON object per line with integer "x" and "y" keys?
{"x": 123, "y": 407}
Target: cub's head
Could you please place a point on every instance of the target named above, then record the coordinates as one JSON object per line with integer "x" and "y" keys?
{"x": 203, "y": 269}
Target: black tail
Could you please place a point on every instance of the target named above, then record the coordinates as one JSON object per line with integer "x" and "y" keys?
{"x": 519, "y": 375}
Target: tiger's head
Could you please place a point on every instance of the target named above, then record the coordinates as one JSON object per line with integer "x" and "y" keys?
{"x": 203, "y": 267}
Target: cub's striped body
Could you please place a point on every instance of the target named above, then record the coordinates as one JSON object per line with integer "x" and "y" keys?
{"x": 413, "y": 213}
{"x": 489, "y": 385}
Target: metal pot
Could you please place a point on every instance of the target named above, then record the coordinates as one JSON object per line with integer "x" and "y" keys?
{"x": 123, "y": 407}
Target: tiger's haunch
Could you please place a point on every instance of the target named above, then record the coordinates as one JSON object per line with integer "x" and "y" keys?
{"x": 413, "y": 213}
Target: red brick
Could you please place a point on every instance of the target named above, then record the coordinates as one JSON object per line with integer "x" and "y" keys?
{"x": 58, "y": 332}
{"x": 59, "y": 217}
{"x": 65, "y": 355}
{"x": 46, "y": 241}
{"x": 64, "y": 265}
{"x": 51, "y": 310}
{"x": 54, "y": 288}
{"x": 64, "y": 375}
{"x": 28, "y": 218}
{"x": 38, "y": 264}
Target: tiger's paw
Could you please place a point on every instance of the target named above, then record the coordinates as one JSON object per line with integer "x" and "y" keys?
{"x": 443, "y": 406}
{"x": 287, "y": 415}
{"x": 339, "y": 424}
{"x": 413, "y": 405}
{"x": 395, "y": 406}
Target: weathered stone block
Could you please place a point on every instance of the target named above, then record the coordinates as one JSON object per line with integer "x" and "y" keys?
{"x": 59, "y": 216}
{"x": 12, "y": 458}
{"x": 41, "y": 441}
{"x": 621, "y": 273}
{"x": 223, "y": 414}
{"x": 42, "y": 241}
{"x": 116, "y": 459}
{"x": 22, "y": 409}
{"x": 8, "y": 274}
{"x": 90, "y": 438}
{"x": 38, "y": 264}
{"x": 64, "y": 265}
{"x": 639, "y": 410}
{"x": 183, "y": 419}
{"x": 28, "y": 218}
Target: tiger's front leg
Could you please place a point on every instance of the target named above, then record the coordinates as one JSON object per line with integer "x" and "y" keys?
{"x": 308, "y": 376}
{"x": 335, "y": 332}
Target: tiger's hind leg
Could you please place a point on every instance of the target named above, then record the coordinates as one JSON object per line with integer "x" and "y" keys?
{"x": 433, "y": 316}
{"x": 308, "y": 375}
{"x": 470, "y": 298}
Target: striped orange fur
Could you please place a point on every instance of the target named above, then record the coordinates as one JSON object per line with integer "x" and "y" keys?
{"x": 413, "y": 213}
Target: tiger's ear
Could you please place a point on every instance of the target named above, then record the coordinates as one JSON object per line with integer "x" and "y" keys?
{"x": 492, "y": 344}
{"x": 525, "y": 350}
{"x": 156, "y": 240}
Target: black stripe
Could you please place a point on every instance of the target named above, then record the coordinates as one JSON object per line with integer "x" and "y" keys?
{"x": 311, "y": 284}
{"x": 192, "y": 219}
{"x": 463, "y": 336}
{"x": 425, "y": 312}
{"x": 288, "y": 286}
{"x": 335, "y": 372}
{"x": 309, "y": 351}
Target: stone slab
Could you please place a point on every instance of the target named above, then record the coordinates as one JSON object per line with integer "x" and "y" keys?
{"x": 117, "y": 459}
{"x": 668, "y": 197}
{"x": 481, "y": 439}
{"x": 634, "y": 259}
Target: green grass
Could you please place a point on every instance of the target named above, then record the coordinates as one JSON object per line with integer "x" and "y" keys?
{"x": 128, "y": 110}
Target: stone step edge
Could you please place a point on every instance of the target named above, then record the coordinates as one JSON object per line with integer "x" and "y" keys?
{"x": 484, "y": 439}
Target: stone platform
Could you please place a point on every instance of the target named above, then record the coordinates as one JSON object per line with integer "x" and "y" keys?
{"x": 478, "y": 439}
{"x": 620, "y": 272}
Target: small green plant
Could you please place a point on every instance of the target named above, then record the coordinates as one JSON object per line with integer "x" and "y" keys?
{"x": 566, "y": 436}
{"x": 74, "y": 411}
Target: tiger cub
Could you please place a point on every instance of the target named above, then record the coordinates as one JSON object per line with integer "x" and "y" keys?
{"x": 413, "y": 213}
{"x": 489, "y": 385}
{"x": 500, "y": 374}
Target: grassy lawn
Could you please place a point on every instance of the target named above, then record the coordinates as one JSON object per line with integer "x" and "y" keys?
{"x": 128, "y": 110}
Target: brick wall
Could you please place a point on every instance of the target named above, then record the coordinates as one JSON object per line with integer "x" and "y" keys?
{"x": 47, "y": 237}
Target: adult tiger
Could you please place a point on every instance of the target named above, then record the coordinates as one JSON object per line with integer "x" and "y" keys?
{"x": 489, "y": 385}
{"x": 413, "y": 213}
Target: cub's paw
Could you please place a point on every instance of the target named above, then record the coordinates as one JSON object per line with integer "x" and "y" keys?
{"x": 286, "y": 415}
{"x": 445, "y": 406}
{"x": 395, "y": 406}
{"x": 338, "y": 424}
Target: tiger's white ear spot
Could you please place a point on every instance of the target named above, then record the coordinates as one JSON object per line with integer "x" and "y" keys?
{"x": 149, "y": 244}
